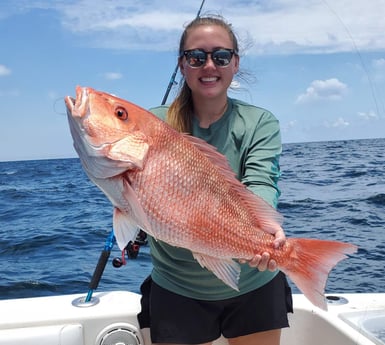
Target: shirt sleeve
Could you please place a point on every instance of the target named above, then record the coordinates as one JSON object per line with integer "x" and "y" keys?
{"x": 160, "y": 112}
{"x": 261, "y": 169}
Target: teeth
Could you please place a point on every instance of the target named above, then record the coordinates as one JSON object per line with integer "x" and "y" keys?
{"x": 209, "y": 79}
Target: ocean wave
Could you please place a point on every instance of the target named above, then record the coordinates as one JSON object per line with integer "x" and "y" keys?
{"x": 378, "y": 199}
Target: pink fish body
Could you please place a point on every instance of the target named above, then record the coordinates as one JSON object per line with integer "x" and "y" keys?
{"x": 181, "y": 190}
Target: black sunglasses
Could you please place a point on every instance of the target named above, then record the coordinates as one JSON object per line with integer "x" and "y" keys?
{"x": 197, "y": 57}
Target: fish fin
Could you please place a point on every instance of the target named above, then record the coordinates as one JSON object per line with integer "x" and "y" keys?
{"x": 309, "y": 264}
{"x": 125, "y": 230}
{"x": 267, "y": 218}
{"x": 129, "y": 215}
{"x": 225, "y": 269}
{"x": 136, "y": 210}
{"x": 132, "y": 149}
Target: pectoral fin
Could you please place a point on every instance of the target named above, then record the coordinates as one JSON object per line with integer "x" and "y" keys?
{"x": 131, "y": 149}
{"x": 125, "y": 228}
{"x": 129, "y": 215}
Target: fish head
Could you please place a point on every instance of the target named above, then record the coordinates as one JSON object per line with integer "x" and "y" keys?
{"x": 107, "y": 132}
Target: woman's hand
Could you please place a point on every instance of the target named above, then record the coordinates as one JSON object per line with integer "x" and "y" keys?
{"x": 263, "y": 261}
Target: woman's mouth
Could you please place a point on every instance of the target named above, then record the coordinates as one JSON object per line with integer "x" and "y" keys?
{"x": 208, "y": 79}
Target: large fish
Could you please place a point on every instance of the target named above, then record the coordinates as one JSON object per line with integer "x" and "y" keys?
{"x": 182, "y": 191}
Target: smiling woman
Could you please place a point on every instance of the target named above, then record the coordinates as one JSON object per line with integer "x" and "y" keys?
{"x": 208, "y": 60}
{"x": 308, "y": 60}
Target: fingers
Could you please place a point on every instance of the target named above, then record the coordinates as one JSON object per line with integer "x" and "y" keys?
{"x": 262, "y": 262}
{"x": 279, "y": 239}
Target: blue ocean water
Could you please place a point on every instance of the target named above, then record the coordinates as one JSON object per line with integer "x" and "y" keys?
{"x": 54, "y": 221}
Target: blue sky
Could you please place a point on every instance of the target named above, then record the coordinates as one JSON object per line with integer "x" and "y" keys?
{"x": 318, "y": 65}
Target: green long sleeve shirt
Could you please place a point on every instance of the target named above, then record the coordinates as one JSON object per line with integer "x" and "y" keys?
{"x": 249, "y": 137}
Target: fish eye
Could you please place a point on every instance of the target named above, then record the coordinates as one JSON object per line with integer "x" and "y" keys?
{"x": 121, "y": 113}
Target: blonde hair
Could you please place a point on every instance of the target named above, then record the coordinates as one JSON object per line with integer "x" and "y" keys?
{"x": 180, "y": 112}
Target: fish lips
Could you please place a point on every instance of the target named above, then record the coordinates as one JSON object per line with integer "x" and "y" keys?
{"x": 78, "y": 106}
{"x": 70, "y": 103}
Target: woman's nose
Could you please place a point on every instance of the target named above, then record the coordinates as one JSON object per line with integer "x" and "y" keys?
{"x": 209, "y": 62}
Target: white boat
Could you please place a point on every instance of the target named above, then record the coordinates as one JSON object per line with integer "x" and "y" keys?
{"x": 110, "y": 319}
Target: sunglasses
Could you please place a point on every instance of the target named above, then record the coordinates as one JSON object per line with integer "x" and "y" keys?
{"x": 196, "y": 58}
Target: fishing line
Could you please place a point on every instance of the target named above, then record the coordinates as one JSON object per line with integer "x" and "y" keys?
{"x": 54, "y": 106}
{"x": 173, "y": 76}
{"x": 357, "y": 51}
{"x": 370, "y": 81}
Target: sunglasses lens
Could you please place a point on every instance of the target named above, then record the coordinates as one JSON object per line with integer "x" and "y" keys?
{"x": 222, "y": 57}
{"x": 196, "y": 58}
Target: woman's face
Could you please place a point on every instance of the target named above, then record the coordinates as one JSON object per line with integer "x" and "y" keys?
{"x": 209, "y": 81}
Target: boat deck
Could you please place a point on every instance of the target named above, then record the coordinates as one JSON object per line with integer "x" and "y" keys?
{"x": 110, "y": 318}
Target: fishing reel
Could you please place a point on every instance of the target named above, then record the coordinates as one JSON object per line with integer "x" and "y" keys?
{"x": 131, "y": 250}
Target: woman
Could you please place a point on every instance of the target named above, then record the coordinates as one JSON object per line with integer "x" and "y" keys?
{"x": 182, "y": 302}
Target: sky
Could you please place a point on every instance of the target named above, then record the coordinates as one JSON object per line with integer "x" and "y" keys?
{"x": 318, "y": 65}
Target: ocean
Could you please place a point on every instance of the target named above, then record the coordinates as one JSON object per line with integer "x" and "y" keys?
{"x": 54, "y": 222}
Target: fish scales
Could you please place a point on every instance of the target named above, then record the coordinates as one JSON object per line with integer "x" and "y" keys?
{"x": 188, "y": 212}
{"x": 193, "y": 225}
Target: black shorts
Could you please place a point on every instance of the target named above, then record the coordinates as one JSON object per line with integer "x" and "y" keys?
{"x": 173, "y": 318}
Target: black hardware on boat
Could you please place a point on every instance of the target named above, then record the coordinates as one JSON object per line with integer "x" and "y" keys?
{"x": 131, "y": 250}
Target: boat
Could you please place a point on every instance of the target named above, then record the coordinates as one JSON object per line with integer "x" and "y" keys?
{"x": 109, "y": 318}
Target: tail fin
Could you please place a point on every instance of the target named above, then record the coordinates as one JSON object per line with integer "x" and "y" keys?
{"x": 310, "y": 262}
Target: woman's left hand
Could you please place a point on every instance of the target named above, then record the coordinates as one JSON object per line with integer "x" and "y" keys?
{"x": 263, "y": 261}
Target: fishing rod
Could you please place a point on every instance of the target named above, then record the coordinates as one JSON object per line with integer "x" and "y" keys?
{"x": 101, "y": 265}
{"x": 105, "y": 254}
{"x": 172, "y": 80}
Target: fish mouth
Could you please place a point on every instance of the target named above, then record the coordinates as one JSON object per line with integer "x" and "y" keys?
{"x": 76, "y": 113}
{"x": 77, "y": 107}
{"x": 69, "y": 102}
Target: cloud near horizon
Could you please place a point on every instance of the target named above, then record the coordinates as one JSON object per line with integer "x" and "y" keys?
{"x": 330, "y": 89}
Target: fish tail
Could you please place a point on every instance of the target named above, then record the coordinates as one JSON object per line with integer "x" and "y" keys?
{"x": 310, "y": 262}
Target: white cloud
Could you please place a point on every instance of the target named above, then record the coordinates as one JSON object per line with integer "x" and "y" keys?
{"x": 275, "y": 26}
{"x": 379, "y": 63}
{"x": 288, "y": 126}
{"x": 113, "y": 75}
{"x": 371, "y": 115}
{"x": 339, "y": 123}
{"x": 378, "y": 70}
{"x": 53, "y": 95}
{"x": 330, "y": 89}
{"x": 4, "y": 70}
